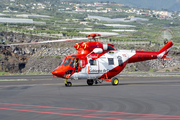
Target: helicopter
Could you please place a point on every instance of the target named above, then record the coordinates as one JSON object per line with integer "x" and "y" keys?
{"x": 97, "y": 62}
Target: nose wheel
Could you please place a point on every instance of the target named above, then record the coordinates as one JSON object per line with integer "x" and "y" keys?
{"x": 67, "y": 84}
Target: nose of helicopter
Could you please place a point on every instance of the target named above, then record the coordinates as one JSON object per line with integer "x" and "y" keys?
{"x": 59, "y": 72}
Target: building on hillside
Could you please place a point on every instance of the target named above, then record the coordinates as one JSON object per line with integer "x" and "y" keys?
{"x": 119, "y": 10}
{"x": 103, "y": 11}
{"x": 163, "y": 14}
{"x": 83, "y": 23}
{"x": 80, "y": 10}
{"x": 89, "y": 10}
{"x": 109, "y": 9}
{"x": 98, "y": 4}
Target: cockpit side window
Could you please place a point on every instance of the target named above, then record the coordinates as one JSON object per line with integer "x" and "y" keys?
{"x": 77, "y": 65}
{"x": 66, "y": 63}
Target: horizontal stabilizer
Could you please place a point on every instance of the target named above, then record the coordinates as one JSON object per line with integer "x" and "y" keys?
{"x": 167, "y": 57}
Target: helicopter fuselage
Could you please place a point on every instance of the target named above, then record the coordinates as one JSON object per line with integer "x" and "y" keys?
{"x": 103, "y": 61}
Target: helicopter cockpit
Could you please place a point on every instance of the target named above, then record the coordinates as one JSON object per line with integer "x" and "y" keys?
{"x": 72, "y": 62}
{"x": 68, "y": 66}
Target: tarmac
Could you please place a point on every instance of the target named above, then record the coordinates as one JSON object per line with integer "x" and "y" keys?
{"x": 42, "y": 97}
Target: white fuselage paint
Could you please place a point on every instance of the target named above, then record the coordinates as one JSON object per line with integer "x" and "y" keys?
{"x": 102, "y": 64}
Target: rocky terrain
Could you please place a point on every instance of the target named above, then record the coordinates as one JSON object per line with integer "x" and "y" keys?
{"x": 46, "y": 57}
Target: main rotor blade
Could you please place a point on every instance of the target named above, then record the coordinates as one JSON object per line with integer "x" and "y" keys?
{"x": 73, "y": 39}
{"x": 49, "y": 41}
{"x": 121, "y": 34}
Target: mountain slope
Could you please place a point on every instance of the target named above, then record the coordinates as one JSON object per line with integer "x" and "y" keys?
{"x": 153, "y": 4}
{"x": 172, "y": 5}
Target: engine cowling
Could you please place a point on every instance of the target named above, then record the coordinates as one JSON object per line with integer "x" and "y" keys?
{"x": 91, "y": 45}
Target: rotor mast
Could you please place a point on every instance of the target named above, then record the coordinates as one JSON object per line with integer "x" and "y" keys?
{"x": 93, "y": 36}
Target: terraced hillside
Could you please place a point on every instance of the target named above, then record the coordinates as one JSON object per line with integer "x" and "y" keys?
{"x": 46, "y": 57}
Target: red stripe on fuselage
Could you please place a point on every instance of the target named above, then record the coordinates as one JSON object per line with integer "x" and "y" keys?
{"x": 114, "y": 71}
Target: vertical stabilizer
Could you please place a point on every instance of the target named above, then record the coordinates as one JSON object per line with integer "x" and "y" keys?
{"x": 165, "y": 50}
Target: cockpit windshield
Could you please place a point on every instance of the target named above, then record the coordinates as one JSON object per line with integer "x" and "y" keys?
{"x": 66, "y": 63}
{"x": 61, "y": 62}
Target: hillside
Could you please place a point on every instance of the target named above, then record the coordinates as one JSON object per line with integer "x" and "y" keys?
{"x": 172, "y": 5}
{"x": 45, "y": 58}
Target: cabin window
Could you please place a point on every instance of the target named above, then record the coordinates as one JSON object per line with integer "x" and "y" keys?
{"x": 111, "y": 61}
{"x": 120, "y": 62}
{"x": 92, "y": 62}
{"x": 66, "y": 63}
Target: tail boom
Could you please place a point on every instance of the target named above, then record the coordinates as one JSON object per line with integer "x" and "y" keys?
{"x": 149, "y": 55}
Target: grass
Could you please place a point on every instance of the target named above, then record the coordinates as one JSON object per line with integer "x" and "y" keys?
{"x": 4, "y": 73}
{"x": 152, "y": 70}
{"x": 58, "y": 57}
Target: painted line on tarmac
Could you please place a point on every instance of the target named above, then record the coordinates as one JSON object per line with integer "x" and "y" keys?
{"x": 83, "y": 113}
{"x": 1, "y": 80}
{"x": 54, "y": 84}
{"x": 151, "y": 85}
{"x": 150, "y": 76}
{"x": 73, "y": 84}
{"x": 40, "y": 79}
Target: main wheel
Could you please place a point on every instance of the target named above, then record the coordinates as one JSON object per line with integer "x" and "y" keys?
{"x": 69, "y": 84}
{"x": 90, "y": 81}
{"x": 115, "y": 81}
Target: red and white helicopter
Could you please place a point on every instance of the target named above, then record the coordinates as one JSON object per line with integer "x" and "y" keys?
{"x": 97, "y": 62}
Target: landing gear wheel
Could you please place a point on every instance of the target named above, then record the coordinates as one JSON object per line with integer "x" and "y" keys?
{"x": 115, "y": 81}
{"x": 96, "y": 82}
{"x": 68, "y": 84}
{"x": 90, "y": 81}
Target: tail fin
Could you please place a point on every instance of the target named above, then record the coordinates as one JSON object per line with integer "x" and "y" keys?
{"x": 165, "y": 50}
